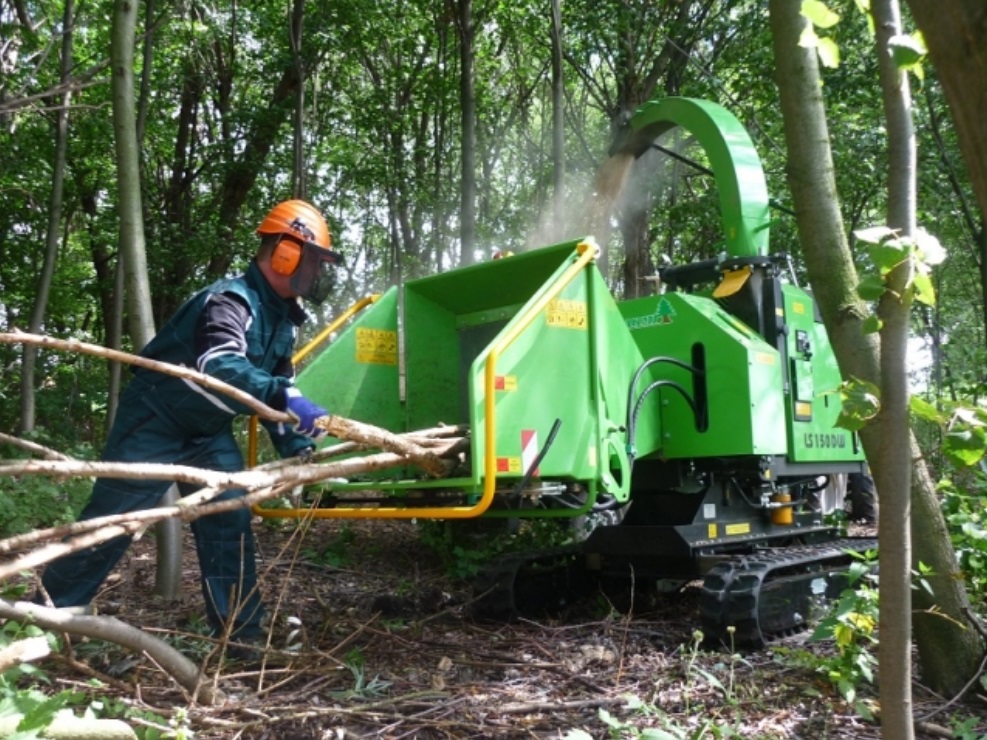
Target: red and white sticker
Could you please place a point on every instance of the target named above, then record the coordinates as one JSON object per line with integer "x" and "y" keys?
{"x": 529, "y": 449}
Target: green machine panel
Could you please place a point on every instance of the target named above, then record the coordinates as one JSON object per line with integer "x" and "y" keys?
{"x": 737, "y": 382}
{"x": 560, "y": 359}
{"x": 814, "y": 402}
{"x": 357, "y": 373}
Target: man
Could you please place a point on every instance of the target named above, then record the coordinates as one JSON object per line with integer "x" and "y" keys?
{"x": 241, "y": 331}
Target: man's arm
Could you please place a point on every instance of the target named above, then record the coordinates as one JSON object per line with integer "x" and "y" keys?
{"x": 221, "y": 351}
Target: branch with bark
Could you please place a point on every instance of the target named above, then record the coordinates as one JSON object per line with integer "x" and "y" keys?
{"x": 337, "y": 426}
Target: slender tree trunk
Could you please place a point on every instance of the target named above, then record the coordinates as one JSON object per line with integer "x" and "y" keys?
{"x": 948, "y": 649}
{"x": 299, "y": 184}
{"x": 132, "y": 247}
{"x": 467, "y": 98}
{"x": 558, "y": 119}
{"x": 53, "y": 233}
{"x": 894, "y": 481}
{"x": 140, "y": 319}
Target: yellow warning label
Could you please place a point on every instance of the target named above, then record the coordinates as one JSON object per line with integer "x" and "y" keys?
{"x": 376, "y": 346}
{"x": 711, "y": 531}
{"x": 505, "y": 383}
{"x": 742, "y": 528}
{"x": 798, "y": 307}
{"x": 508, "y": 464}
{"x": 764, "y": 358}
{"x": 566, "y": 314}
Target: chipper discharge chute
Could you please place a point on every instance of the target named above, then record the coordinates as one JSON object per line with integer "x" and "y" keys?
{"x": 680, "y": 436}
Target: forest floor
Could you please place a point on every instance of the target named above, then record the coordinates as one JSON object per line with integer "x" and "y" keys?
{"x": 370, "y": 638}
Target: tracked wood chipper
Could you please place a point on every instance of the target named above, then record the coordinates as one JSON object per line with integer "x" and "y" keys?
{"x": 681, "y": 434}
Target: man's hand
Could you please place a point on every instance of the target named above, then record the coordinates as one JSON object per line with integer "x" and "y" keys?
{"x": 304, "y": 412}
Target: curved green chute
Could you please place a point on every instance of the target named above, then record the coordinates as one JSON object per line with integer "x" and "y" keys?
{"x": 734, "y": 160}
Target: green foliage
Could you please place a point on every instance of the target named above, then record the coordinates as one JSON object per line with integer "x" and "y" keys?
{"x": 35, "y": 502}
{"x": 362, "y": 687}
{"x": 861, "y": 401}
{"x": 888, "y": 250}
{"x": 965, "y": 511}
{"x": 19, "y": 692}
{"x": 963, "y": 429}
{"x": 851, "y": 624}
{"x": 821, "y": 17}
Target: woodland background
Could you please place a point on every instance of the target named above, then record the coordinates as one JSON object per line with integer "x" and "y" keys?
{"x": 431, "y": 134}
{"x": 364, "y": 118}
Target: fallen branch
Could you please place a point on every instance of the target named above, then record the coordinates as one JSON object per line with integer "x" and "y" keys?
{"x": 74, "y": 345}
{"x": 94, "y": 531}
{"x": 33, "y": 447}
{"x": 372, "y": 436}
{"x": 336, "y": 425}
{"x": 176, "y": 665}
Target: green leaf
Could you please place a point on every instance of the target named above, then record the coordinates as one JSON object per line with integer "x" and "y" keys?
{"x": 872, "y": 324}
{"x": 871, "y": 288}
{"x": 889, "y": 254}
{"x": 653, "y": 733}
{"x": 820, "y": 15}
{"x": 861, "y": 402}
{"x": 907, "y": 51}
{"x": 965, "y": 447}
{"x": 925, "y": 410}
{"x": 808, "y": 38}
{"x": 874, "y": 234}
{"x": 925, "y": 292}
{"x": 829, "y": 53}
{"x": 929, "y": 249}
{"x": 577, "y": 735}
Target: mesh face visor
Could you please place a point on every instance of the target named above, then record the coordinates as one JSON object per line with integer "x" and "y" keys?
{"x": 316, "y": 274}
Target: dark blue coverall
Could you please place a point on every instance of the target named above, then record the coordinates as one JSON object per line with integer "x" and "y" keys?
{"x": 238, "y": 331}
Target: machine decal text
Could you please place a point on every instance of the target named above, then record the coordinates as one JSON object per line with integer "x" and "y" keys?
{"x": 815, "y": 440}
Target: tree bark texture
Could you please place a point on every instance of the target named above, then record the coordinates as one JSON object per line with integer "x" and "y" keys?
{"x": 955, "y": 32}
{"x": 467, "y": 98}
{"x": 893, "y": 479}
{"x": 53, "y": 233}
{"x": 948, "y": 650}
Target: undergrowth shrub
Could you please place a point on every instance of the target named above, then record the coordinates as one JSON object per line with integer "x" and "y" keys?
{"x": 34, "y": 502}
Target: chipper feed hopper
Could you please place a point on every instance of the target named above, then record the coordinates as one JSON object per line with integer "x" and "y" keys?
{"x": 681, "y": 436}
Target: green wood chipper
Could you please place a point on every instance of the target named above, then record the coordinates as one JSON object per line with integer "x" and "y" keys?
{"x": 681, "y": 436}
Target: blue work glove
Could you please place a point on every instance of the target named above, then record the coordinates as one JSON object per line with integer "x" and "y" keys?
{"x": 304, "y": 412}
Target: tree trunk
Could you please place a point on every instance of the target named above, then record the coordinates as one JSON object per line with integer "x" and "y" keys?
{"x": 299, "y": 184}
{"x": 140, "y": 320}
{"x": 467, "y": 99}
{"x": 53, "y": 235}
{"x": 948, "y": 650}
{"x": 558, "y": 119}
{"x": 893, "y": 479}
{"x": 956, "y": 35}
{"x": 132, "y": 247}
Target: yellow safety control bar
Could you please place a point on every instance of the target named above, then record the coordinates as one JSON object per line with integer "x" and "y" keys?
{"x": 587, "y": 250}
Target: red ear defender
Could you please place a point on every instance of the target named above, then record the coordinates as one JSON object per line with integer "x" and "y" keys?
{"x": 286, "y": 256}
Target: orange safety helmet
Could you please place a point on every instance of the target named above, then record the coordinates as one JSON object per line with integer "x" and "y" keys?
{"x": 304, "y": 250}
